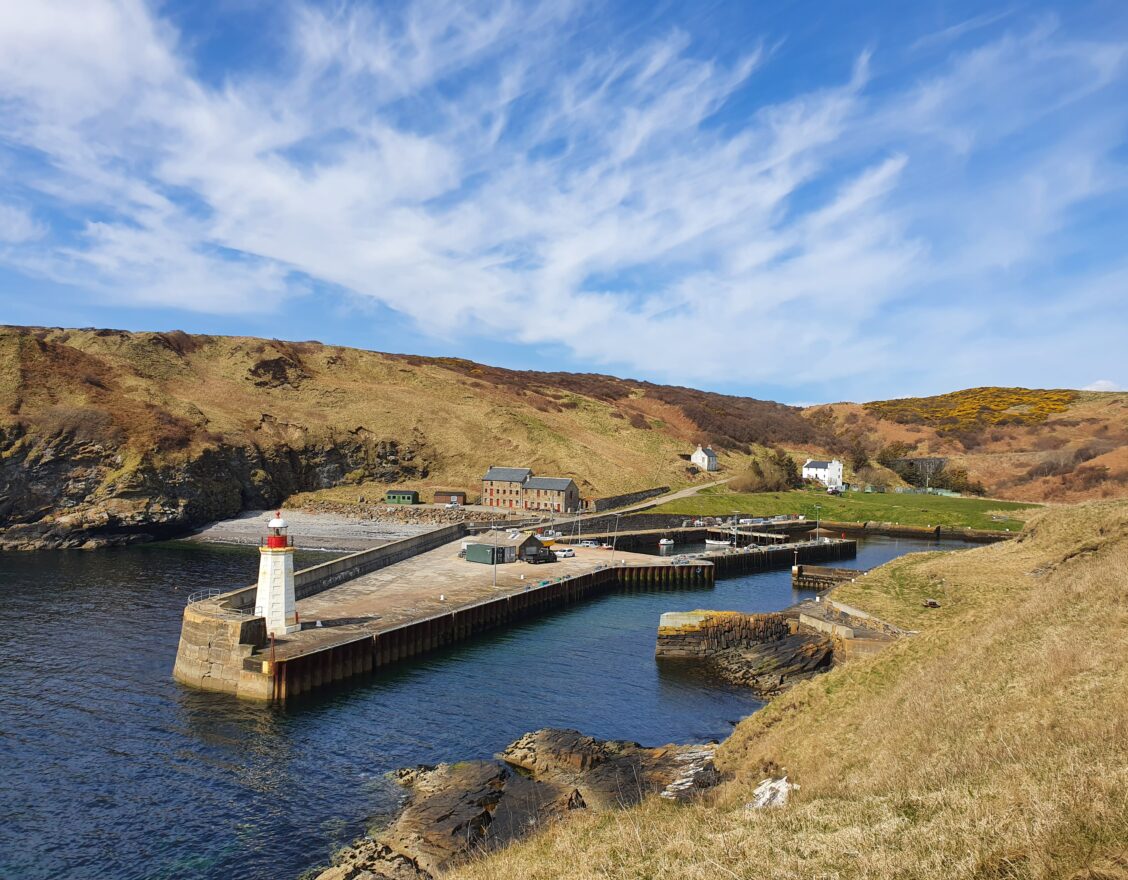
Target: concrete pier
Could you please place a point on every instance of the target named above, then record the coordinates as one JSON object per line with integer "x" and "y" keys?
{"x": 378, "y": 607}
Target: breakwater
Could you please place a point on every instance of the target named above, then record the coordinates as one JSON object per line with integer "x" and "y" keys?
{"x": 374, "y": 623}
{"x": 286, "y": 677}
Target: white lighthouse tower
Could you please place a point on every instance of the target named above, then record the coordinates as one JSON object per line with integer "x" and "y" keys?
{"x": 274, "y": 599}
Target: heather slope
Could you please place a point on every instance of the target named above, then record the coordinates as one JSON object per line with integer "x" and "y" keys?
{"x": 1022, "y": 444}
{"x": 992, "y": 744}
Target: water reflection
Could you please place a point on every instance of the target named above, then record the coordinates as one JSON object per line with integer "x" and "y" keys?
{"x": 112, "y": 770}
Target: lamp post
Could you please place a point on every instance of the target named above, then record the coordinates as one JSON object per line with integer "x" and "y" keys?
{"x": 493, "y": 557}
{"x": 818, "y": 507}
{"x": 615, "y": 536}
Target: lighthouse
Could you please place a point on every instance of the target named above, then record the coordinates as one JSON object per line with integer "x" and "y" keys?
{"x": 274, "y": 599}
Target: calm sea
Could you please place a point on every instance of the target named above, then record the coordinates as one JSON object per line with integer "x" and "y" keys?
{"x": 110, "y": 769}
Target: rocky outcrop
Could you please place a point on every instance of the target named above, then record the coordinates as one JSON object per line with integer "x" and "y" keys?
{"x": 766, "y": 652}
{"x": 457, "y": 810}
{"x": 63, "y": 491}
{"x": 608, "y": 773}
{"x": 770, "y": 668}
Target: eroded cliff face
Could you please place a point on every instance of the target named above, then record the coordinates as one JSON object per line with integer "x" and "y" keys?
{"x": 63, "y": 491}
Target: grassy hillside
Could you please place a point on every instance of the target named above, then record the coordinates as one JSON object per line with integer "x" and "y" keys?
{"x": 992, "y": 744}
{"x": 108, "y": 436}
{"x": 170, "y": 394}
{"x": 916, "y": 510}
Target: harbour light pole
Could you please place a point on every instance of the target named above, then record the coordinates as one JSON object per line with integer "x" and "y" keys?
{"x": 818, "y": 507}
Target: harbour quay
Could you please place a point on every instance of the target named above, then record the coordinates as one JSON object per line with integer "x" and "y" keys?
{"x": 381, "y": 606}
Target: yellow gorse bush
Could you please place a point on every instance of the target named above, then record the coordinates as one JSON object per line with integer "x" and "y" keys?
{"x": 976, "y": 407}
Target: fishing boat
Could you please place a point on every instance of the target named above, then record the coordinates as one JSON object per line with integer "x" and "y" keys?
{"x": 548, "y": 537}
{"x": 666, "y": 542}
{"x": 716, "y": 542}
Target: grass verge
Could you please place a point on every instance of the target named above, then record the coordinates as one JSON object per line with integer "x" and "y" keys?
{"x": 917, "y": 510}
{"x": 992, "y": 744}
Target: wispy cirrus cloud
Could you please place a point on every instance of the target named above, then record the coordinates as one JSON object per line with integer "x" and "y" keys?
{"x": 636, "y": 202}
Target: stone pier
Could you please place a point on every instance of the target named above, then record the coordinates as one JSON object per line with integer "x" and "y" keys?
{"x": 382, "y": 606}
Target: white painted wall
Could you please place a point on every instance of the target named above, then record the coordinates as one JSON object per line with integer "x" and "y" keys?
{"x": 703, "y": 461}
{"x": 828, "y": 476}
{"x": 274, "y": 598}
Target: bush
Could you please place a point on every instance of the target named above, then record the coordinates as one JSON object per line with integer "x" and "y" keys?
{"x": 1053, "y": 464}
{"x": 777, "y": 472}
{"x": 975, "y": 408}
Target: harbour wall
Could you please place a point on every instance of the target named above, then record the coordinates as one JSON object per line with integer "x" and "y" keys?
{"x": 218, "y": 633}
{"x": 928, "y": 533}
{"x": 285, "y": 680}
{"x": 697, "y": 634}
{"x": 223, "y": 648}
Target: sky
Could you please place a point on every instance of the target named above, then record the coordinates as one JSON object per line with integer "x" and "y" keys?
{"x": 801, "y": 201}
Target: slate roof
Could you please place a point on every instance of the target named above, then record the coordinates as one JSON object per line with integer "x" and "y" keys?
{"x": 558, "y": 484}
{"x": 502, "y": 539}
{"x": 819, "y": 465}
{"x": 508, "y": 475}
{"x": 708, "y": 450}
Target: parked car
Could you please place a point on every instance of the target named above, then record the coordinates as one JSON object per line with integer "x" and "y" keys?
{"x": 452, "y": 505}
{"x": 542, "y": 555}
{"x": 593, "y": 544}
{"x": 565, "y": 553}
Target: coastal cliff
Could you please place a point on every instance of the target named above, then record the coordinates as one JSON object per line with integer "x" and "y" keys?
{"x": 108, "y": 436}
{"x": 66, "y": 490}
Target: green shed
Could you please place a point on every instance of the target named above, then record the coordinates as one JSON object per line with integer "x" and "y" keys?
{"x": 488, "y": 554}
{"x": 401, "y": 496}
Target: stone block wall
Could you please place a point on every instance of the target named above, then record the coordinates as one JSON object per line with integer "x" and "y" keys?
{"x": 601, "y": 504}
{"x": 702, "y": 633}
{"x": 213, "y": 646}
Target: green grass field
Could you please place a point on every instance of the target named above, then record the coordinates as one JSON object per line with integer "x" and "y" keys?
{"x": 917, "y": 510}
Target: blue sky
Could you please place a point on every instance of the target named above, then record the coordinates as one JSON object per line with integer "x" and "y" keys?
{"x": 801, "y": 201}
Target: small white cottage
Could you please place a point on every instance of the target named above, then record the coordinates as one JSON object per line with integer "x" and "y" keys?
{"x": 829, "y": 473}
{"x": 705, "y": 458}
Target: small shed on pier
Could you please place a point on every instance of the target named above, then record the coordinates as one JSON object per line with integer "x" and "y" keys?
{"x": 489, "y": 547}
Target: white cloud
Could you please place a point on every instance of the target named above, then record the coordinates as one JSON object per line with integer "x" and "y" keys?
{"x": 1103, "y": 385}
{"x": 470, "y": 168}
{"x": 17, "y": 225}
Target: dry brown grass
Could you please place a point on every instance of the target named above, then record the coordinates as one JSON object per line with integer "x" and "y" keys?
{"x": 993, "y": 744}
{"x": 173, "y": 394}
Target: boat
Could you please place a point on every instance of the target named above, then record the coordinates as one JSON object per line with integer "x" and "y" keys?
{"x": 548, "y": 537}
{"x": 714, "y": 542}
{"x": 666, "y": 542}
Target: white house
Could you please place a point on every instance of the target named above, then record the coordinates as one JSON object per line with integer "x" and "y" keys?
{"x": 829, "y": 473}
{"x": 705, "y": 458}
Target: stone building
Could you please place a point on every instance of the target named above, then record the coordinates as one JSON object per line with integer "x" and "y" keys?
{"x": 518, "y": 489}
